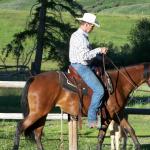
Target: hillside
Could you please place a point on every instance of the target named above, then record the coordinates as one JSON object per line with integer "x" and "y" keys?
{"x": 103, "y": 6}
{"x": 116, "y": 31}
{"x": 117, "y": 6}
{"x": 16, "y": 4}
{"x": 134, "y": 9}
{"x": 15, "y": 14}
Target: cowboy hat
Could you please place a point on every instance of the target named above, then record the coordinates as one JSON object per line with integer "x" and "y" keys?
{"x": 89, "y": 18}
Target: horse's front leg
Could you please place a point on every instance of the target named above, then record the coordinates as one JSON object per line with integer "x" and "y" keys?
{"x": 102, "y": 133}
{"x": 125, "y": 124}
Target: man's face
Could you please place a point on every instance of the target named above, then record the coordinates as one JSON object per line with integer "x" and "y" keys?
{"x": 89, "y": 27}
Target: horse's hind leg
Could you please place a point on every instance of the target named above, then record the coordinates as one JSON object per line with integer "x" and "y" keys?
{"x": 125, "y": 124}
{"x": 17, "y": 136}
{"x": 23, "y": 125}
{"x": 38, "y": 132}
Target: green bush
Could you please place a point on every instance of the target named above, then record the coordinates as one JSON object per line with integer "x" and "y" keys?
{"x": 140, "y": 41}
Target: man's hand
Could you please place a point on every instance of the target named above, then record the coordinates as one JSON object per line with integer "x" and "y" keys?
{"x": 103, "y": 50}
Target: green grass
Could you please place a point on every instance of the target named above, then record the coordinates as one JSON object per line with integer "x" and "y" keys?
{"x": 17, "y": 4}
{"x": 87, "y": 137}
{"x": 140, "y": 98}
{"x": 11, "y": 22}
{"x": 139, "y": 9}
{"x": 14, "y": 21}
{"x": 91, "y": 5}
{"x": 115, "y": 27}
{"x": 117, "y": 6}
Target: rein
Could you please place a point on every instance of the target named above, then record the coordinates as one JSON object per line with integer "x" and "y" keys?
{"x": 146, "y": 74}
{"x": 129, "y": 80}
{"x": 108, "y": 83}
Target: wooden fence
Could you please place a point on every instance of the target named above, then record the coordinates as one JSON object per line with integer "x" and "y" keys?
{"x": 138, "y": 111}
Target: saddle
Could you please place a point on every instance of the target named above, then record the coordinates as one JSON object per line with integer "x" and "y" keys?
{"x": 72, "y": 81}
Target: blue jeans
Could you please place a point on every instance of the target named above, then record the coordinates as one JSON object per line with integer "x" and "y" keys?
{"x": 98, "y": 90}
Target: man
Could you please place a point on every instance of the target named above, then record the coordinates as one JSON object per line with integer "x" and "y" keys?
{"x": 80, "y": 53}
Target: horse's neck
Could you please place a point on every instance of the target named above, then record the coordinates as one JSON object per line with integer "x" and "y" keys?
{"x": 133, "y": 76}
{"x": 127, "y": 78}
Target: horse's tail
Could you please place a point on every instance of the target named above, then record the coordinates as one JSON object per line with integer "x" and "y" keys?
{"x": 24, "y": 99}
{"x": 25, "y": 107}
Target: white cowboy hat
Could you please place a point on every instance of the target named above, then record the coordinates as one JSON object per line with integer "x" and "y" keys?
{"x": 90, "y": 18}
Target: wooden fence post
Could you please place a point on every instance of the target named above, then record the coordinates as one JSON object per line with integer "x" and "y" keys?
{"x": 73, "y": 133}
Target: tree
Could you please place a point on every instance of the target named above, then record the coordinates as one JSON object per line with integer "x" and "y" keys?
{"x": 36, "y": 65}
{"x": 51, "y": 30}
{"x": 140, "y": 41}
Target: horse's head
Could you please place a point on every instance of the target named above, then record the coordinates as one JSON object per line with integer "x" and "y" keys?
{"x": 147, "y": 73}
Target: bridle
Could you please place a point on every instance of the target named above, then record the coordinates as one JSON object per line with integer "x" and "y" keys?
{"x": 129, "y": 79}
{"x": 146, "y": 73}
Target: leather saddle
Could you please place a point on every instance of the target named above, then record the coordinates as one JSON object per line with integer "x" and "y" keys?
{"x": 73, "y": 82}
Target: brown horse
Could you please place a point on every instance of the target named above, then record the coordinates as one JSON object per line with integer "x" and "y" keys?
{"x": 44, "y": 91}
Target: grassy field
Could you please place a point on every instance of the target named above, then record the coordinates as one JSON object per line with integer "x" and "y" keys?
{"x": 141, "y": 9}
{"x": 10, "y": 102}
{"x": 14, "y": 21}
{"x": 16, "y": 4}
{"x": 117, "y": 6}
{"x": 113, "y": 29}
{"x": 11, "y": 22}
{"x": 87, "y": 137}
{"x": 116, "y": 17}
{"x": 115, "y": 25}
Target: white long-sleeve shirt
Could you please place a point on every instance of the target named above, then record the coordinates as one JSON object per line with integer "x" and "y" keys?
{"x": 79, "y": 50}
